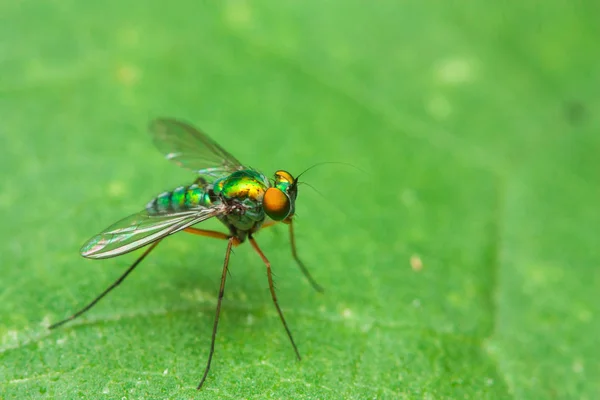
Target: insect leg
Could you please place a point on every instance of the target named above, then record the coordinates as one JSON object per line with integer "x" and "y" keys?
{"x": 304, "y": 270}
{"x": 212, "y": 234}
{"x": 108, "y": 289}
{"x": 230, "y": 244}
{"x": 301, "y": 265}
{"x": 273, "y": 295}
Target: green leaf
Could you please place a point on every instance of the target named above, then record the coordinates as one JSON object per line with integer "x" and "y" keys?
{"x": 462, "y": 263}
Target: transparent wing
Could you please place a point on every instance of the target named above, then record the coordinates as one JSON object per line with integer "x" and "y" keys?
{"x": 192, "y": 149}
{"x": 141, "y": 229}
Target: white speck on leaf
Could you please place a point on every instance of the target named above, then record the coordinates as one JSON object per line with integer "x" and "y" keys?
{"x": 116, "y": 189}
{"x": 10, "y": 336}
{"x": 128, "y": 75}
{"x": 238, "y": 13}
{"x": 416, "y": 263}
{"x": 454, "y": 71}
{"x": 45, "y": 322}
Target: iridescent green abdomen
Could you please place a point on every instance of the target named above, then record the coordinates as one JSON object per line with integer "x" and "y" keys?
{"x": 181, "y": 199}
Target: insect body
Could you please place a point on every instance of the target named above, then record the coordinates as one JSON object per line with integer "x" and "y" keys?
{"x": 243, "y": 199}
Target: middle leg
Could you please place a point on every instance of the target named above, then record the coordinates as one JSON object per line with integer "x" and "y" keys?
{"x": 273, "y": 295}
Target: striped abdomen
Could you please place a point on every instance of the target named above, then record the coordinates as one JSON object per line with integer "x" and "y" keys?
{"x": 181, "y": 199}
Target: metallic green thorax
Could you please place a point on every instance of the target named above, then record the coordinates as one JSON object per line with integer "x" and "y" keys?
{"x": 244, "y": 189}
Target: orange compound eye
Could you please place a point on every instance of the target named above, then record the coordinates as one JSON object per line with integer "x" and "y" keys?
{"x": 276, "y": 204}
{"x": 285, "y": 176}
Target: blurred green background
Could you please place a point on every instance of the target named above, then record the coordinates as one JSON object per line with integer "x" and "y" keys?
{"x": 463, "y": 263}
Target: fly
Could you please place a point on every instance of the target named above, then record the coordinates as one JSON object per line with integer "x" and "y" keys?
{"x": 242, "y": 198}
